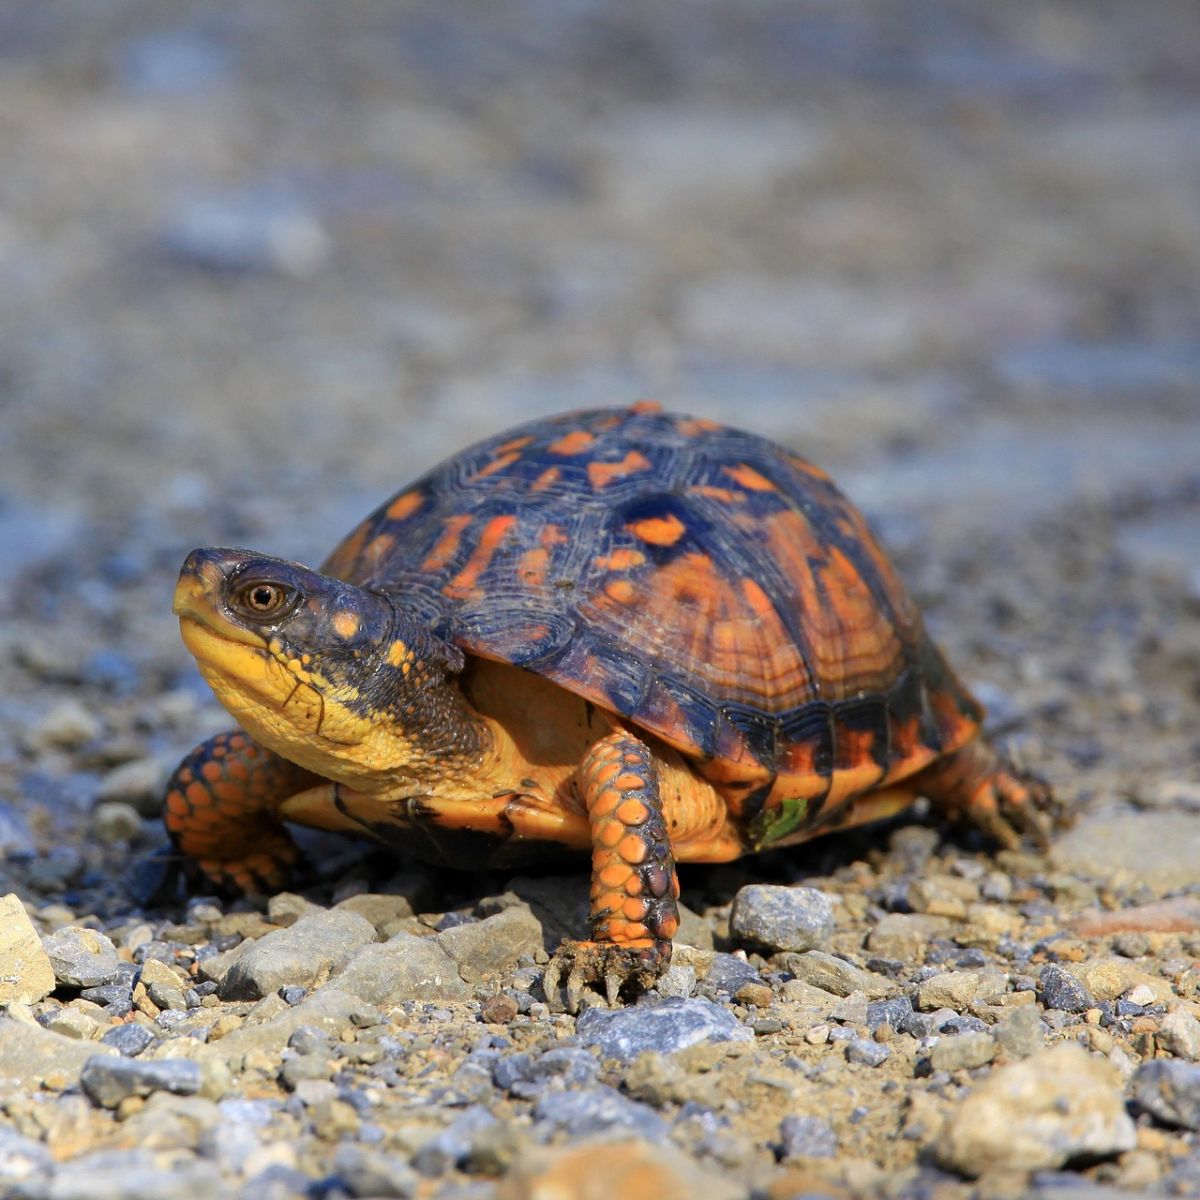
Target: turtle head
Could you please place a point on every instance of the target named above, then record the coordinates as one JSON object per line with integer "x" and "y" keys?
{"x": 329, "y": 675}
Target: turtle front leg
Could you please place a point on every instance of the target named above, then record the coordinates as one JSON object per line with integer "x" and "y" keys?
{"x": 634, "y": 890}
{"x": 221, "y": 811}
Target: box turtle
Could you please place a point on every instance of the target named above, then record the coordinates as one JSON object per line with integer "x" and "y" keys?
{"x": 642, "y": 635}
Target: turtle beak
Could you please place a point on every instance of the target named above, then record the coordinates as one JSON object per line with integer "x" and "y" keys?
{"x": 198, "y": 594}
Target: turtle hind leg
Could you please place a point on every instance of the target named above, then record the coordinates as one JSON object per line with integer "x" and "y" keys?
{"x": 221, "y": 811}
{"x": 976, "y": 786}
{"x": 634, "y": 889}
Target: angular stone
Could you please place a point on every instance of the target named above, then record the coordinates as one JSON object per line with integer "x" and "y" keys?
{"x": 835, "y": 975}
{"x": 82, "y": 958}
{"x": 1021, "y": 1033}
{"x": 596, "y": 1110}
{"x": 952, "y": 989}
{"x": 107, "y": 1081}
{"x": 1060, "y": 989}
{"x": 30, "y": 1054}
{"x": 666, "y": 1027}
{"x": 1169, "y": 1091}
{"x": 864, "y": 1052}
{"x": 904, "y": 936}
{"x": 493, "y": 945}
{"x": 964, "y": 1052}
{"x": 405, "y": 967}
{"x": 1180, "y": 1034}
{"x": 781, "y": 918}
{"x": 25, "y": 971}
{"x": 1059, "y": 1105}
{"x": 807, "y": 1137}
{"x": 303, "y": 954}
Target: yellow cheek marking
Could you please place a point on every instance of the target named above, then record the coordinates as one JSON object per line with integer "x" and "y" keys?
{"x": 397, "y": 655}
{"x": 346, "y": 624}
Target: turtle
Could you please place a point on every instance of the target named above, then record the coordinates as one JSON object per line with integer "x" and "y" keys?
{"x": 642, "y": 635}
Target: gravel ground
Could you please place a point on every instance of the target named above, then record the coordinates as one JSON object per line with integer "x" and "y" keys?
{"x": 262, "y": 264}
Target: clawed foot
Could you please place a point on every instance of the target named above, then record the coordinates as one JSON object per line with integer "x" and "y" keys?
{"x": 1012, "y": 806}
{"x": 620, "y": 968}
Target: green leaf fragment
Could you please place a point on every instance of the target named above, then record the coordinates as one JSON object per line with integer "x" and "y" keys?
{"x": 773, "y": 824}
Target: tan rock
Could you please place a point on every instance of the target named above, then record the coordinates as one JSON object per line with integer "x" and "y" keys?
{"x": 25, "y": 971}
{"x": 1057, "y": 1105}
{"x": 1108, "y": 978}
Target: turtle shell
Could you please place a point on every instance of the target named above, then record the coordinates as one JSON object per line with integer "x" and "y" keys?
{"x": 702, "y": 582}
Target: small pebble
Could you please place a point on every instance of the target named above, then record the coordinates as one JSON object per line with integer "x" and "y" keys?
{"x": 866, "y": 1053}
{"x": 781, "y": 918}
{"x": 108, "y": 1081}
{"x": 114, "y": 821}
{"x": 82, "y": 958}
{"x": 807, "y": 1137}
{"x": 498, "y": 1010}
{"x": 129, "y": 1039}
{"x": 1060, "y": 989}
{"x": 67, "y": 726}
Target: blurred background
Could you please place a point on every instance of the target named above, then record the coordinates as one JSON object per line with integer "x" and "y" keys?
{"x": 262, "y": 263}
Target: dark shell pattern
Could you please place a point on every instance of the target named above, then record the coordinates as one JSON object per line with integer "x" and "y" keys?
{"x": 704, "y": 583}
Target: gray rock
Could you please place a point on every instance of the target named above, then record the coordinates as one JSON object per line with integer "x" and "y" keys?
{"x": 26, "y": 974}
{"x": 303, "y": 954}
{"x": 1169, "y": 1091}
{"x": 596, "y": 1110}
{"x": 245, "y": 232}
{"x": 893, "y": 1012}
{"x": 67, "y": 726}
{"x": 383, "y": 909}
{"x": 107, "y": 1081}
{"x": 835, "y": 975}
{"x": 114, "y": 821}
{"x": 31, "y": 1055}
{"x": 22, "y": 1158}
{"x": 130, "y": 1040}
{"x": 1058, "y": 988}
{"x": 452, "y": 1145}
{"x": 726, "y": 973}
{"x": 781, "y": 918}
{"x": 1022, "y": 1032}
{"x": 139, "y": 783}
{"x": 1061, "y": 1104}
{"x": 904, "y": 936}
{"x": 1157, "y": 849}
{"x": 133, "y": 1175}
{"x": 807, "y": 1137}
{"x": 665, "y": 1026}
{"x": 677, "y": 980}
{"x": 369, "y": 1172}
{"x": 405, "y": 967}
{"x": 964, "y": 1052}
{"x": 864, "y": 1052}
{"x": 82, "y": 958}
{"x": 1180, "y": 1034}
{"x": 851, "y": 1009}
{"x": 494, "y": 945}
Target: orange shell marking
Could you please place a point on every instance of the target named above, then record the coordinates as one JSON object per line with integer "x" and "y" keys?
{"x": 494, "y": 532}
{"x": 575, "y": 442}
{"x": 405, "y": 505}
{"x": 658, "y": 531}
{"x": 748, "y": 477}
{"x": 602, "y": 474}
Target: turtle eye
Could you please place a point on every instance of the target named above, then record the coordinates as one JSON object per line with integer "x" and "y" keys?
{"x": 259, "y": 599}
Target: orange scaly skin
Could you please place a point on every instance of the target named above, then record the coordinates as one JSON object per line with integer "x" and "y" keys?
{"x": 221, "y": 807}
{"x": 634, "y": 887}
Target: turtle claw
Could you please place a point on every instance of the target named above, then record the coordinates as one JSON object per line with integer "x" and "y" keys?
{"x": 617, "y": 968}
